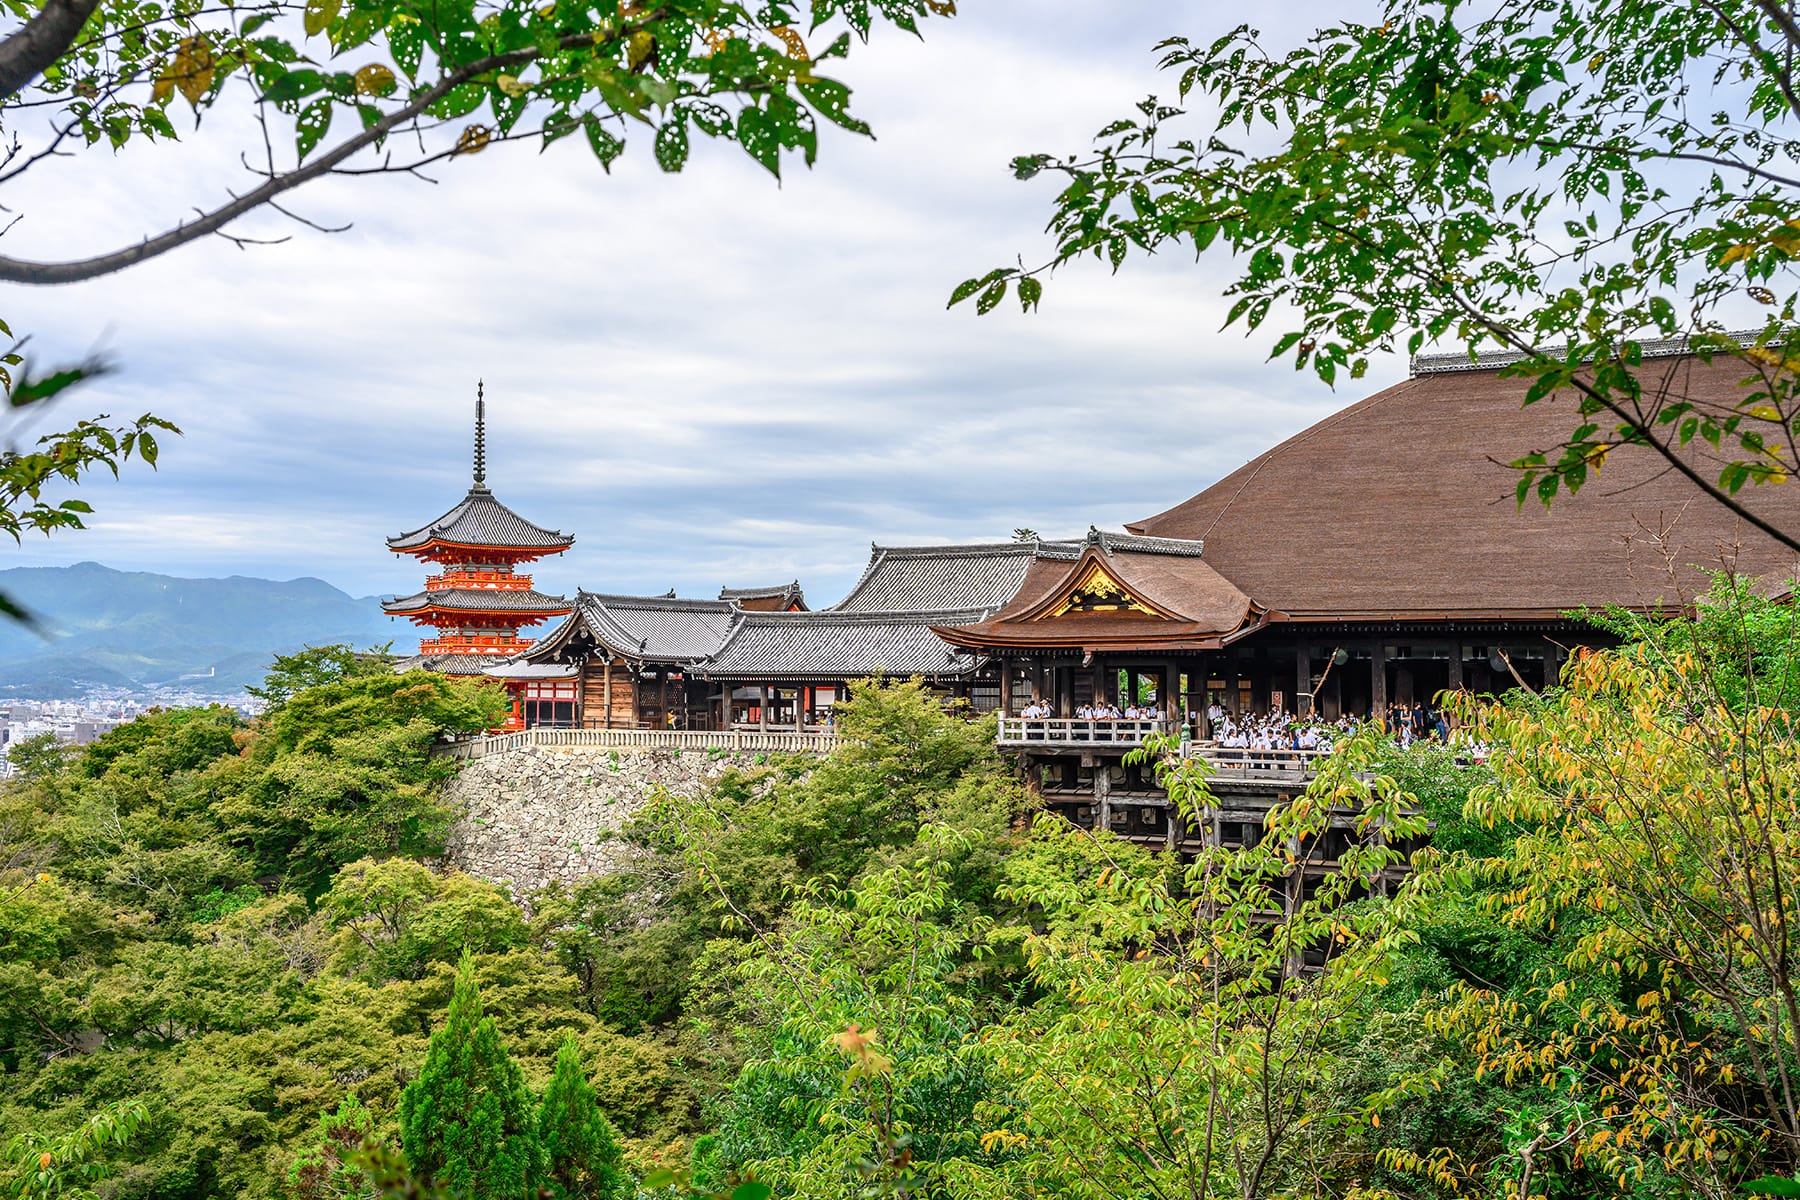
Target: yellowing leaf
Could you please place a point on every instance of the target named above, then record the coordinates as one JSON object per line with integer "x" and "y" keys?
{"x": 190, "y": 72}
{"x": 473, "y": 140}
{"x": 375, "y": 80}
{"x": 1737, "y": 253}
{"x": 639, "y": 48}
{"x": 789, "y": 38}
{"x": 511, "y": 86}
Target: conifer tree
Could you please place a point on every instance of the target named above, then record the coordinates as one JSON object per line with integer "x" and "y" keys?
{"x": 581, "y": 1150}
{"x": 465, "y": 1122}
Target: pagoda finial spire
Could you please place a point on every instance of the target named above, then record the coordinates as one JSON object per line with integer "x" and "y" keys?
{"x": 480, "y": 436}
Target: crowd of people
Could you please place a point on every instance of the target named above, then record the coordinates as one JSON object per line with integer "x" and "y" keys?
{"x": 1275, "y": 729}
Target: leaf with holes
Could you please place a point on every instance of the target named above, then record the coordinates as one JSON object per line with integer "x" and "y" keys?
{"x": 375, "y": 80}
{"x": 318, "y": 15}
{"x": 672, "y": 144}
{"x": 311, "y": 125}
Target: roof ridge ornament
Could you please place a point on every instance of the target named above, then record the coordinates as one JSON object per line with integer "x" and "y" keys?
{"x": 480, "y": 437}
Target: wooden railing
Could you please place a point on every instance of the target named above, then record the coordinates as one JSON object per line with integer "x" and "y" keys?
{"x": 1233, "y": 763}
{"x": 746, "y": 740}
{"x": 1075, "y": 731}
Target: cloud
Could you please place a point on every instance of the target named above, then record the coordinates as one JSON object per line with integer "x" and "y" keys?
{"x": 709, "y": 379}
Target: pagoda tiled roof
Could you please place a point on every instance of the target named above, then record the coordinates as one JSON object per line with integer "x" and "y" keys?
{"x": 496, "y": 600}
{"x": 481, "y": 520}
{"x": 838, "y": 645}
{"x": 945, "y": 578}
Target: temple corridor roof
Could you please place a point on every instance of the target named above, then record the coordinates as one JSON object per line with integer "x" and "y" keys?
{"x": 941, "y": 578}
{"x": 838, "y": 646}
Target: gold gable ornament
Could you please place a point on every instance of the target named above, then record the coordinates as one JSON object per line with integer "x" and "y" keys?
{"x": 1098, "y": 591}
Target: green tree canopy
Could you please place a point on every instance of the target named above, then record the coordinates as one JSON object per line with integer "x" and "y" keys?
{"x": 466, "y": 1121}
{"x": 581, "y": 1148}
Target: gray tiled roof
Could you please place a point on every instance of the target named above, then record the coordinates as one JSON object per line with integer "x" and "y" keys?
{"x": 838, "y": 645}
{"x": 478, "y": 600}
{"x": 518, "y": 668}
{"x": 449, "y": 664}
{"x": 481, "y": 520}
{"x": 918, "y": 578}
{"x": 1134, "y": 543}
{"x": 645, "y": 627}
{"x": 760, "y": 593}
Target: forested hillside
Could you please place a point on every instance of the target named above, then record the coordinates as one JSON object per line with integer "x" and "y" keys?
{"x": 230, "y": 968}
{"x": 98, "y": 626}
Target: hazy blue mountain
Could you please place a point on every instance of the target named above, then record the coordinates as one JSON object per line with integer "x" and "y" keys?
{"x": 102, "y": 626}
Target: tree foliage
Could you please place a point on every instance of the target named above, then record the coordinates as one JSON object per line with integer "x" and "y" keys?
{"x": 374, "y": 86}
{"x": 1563, "y": 181}
{"x": 466, "y": 1121}
{"x": 581, "y": 1149}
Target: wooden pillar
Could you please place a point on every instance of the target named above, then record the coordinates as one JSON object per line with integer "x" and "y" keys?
{"x": 1455, "y": 682}
{"x": 1102, "y": 794}
{"x": 662, "y": 693}
{"x": 1171, "y": 693}
{"x": 1006, "y": 674}
{"x": 1229, "y": 673}
{"x": 608, "y": 687}
{"x": 1552, "y": 664}
{"x": 762, "y": 709}
{"x": 1378, "y": 693}
{"x": 1302, "y": 706}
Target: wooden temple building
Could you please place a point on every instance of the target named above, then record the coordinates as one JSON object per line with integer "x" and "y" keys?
{"x": 1377, "y": 557}
{"x": 479, "y": 599}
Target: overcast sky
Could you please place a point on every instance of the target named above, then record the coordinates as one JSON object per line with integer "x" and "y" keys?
{"x": 708, "y": 378}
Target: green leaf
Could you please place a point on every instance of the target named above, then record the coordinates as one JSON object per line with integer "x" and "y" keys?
{"x": 672, "y": 143}
{"x": 1772, "y": 1185}
{"x": 606, "y": 147}
{"x": 312, "y": 124}
{"x": 1030, "y": 292}
{"x": 319, "y": 14}
{"x": 751, "y": 1191}
{"x": 996, "y": 291}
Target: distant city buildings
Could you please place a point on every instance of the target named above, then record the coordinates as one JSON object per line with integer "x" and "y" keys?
{"x": 79, "y": 722}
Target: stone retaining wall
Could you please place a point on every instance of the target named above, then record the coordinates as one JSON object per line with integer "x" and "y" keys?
{"x": 537, "y": 815}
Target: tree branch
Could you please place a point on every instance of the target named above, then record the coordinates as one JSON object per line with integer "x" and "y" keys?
{"x": 14, "y": 270}
{"x": 43, "y": 39}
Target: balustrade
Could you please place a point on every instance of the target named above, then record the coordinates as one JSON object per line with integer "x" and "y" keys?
{"x": 1076, "y": 731}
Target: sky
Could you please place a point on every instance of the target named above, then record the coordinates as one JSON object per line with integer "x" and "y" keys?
{"x": 709, "y": 378}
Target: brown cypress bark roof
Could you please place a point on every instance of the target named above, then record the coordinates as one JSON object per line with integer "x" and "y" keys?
{"x": 1397, "y": 506}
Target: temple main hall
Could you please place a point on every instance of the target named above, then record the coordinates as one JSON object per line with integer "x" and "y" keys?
{"x": 1374, "y": 559}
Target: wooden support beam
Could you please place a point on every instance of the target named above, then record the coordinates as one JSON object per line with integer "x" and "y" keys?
{"x": 1006, "y": 674}
{"x": 1378, "y": 689}
{"x": 608, "y": 686}
{"x": 1302, "y": 682}
{"x": 1102, "y": 795}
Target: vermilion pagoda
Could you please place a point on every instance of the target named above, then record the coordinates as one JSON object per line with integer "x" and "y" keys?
{"x": 480, "y": 600}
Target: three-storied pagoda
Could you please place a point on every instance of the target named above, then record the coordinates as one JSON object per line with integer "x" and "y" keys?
{"x": 480, "y": 599}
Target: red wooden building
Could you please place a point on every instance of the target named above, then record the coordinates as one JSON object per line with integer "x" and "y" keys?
{"x": 479, "y": 600}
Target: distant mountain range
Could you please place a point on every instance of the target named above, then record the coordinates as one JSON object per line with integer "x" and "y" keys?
{"x": 101, "y": 627}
